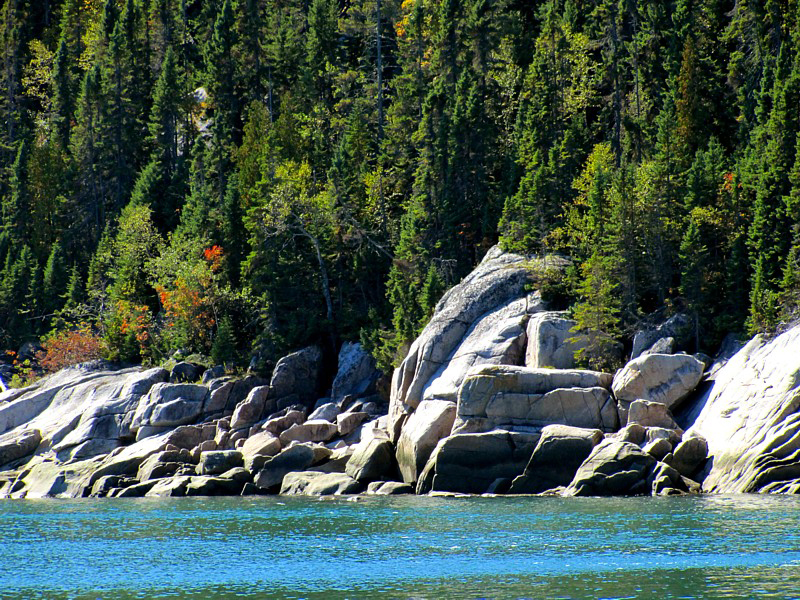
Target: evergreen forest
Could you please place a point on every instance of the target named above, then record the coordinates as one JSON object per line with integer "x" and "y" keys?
{"x": 241, "y": 178}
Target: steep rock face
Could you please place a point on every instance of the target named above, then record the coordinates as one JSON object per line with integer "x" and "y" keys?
{"x": 494, "y": 292}
{"x": 750, "y": 417}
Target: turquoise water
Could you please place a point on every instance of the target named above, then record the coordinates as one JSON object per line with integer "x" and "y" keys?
{"x": 401, "y": 547}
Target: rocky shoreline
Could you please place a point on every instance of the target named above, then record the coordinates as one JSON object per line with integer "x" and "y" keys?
{"x": 488, "y": 400}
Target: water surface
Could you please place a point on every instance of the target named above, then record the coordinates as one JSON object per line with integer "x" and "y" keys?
{"x": 401, "y": 547}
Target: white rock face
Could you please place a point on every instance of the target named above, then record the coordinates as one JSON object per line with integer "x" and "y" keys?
{"x": 491, "y": 289}
{"x": 551, "y": 341}
{"x": 750, "y": 418}
{"x": 664, "y": 378}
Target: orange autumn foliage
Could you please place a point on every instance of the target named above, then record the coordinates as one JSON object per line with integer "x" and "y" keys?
{"x": 70, "y": 347}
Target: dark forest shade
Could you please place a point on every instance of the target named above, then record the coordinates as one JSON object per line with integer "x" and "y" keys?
{"x": 300, "y": 172}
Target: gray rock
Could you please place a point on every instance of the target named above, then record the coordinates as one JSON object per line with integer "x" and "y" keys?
{"x": 186, "y": 372}
{"x": 295, "y": 458}
{"x": 632, "y": 432}
{"x": 500, "y": 279}
{"x": 556, "y": 458}
{"x": 168, "y": 405}
{"x": 665, "y": 481}
{"x": 658, "y": 448}
{"x": 137, "y": 490}
{"x": 665, "y": 378}
{"x": 500, "y": 396}
{"x": 278, "y": 425}
{"x": 665, "y": 345}
{"x": 350, "y": 421}
{"x": 219, "y": 461}
{"x": 262, "y": 443}
{"x": 313, "y": 483}
{"x": 310, "y": 431}
{"x": 673, "y": 436}
{"x": 650, "y": 414}
{"x": 497, "y": 337}
{"x": 470, "y": 463}
{"x": 356, "y": 374}
{"x": 429, "y": 423}
{"x": 551, "y": 341}
{"x": 162, "y": 464}
{"x": 750, "y": 417}
{"x": 174, "y": 487}
{"x": 326, "y": 412}
{"x": 372, "y": 460}
{"x": 613, "y": 469}
{"x": 689, "y": 455}
{"x": 251, "y": 409}
{"x": 389, "y": 488}
{"x": 298, "y": 374}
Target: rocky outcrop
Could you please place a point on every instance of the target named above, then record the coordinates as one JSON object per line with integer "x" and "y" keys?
{"x": 678, "y": 328}
{"x": 297, "y": 374}
{"x": 750, "y": 418}
{"x": 484, "y": 295}
{"x": 664, "y": 378}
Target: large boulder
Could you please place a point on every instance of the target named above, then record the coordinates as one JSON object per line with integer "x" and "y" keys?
{"x": 650, "y": 414}
{"x": 506, "y": 396}
{"x": 297, "y": 373}
{"x": 552, "y": 341}
{"x": 314, "y": 483}
{"x": 81, "y": 412}
{"x": 689, "y": 455}
{"x": 500, "y": 279}
{"x": 186, "y": 372}
{"x": 262, "y": 443}
{"x": 310, "y": 431}
{"x": 664, "y": 378}
{"x": 216, "y": 462}
{"x": 556, "y": 458}
{"x": 432, "y": 421}
{"x": 471, "y": 463}
{"x": 372, "y": 460}
{"x": 251, "y": 409}
{"x": 750, "y": 417}
{"x": 613, "y": 468}
{"x": 295, "y": 458}
{"x": 356, "y": 374}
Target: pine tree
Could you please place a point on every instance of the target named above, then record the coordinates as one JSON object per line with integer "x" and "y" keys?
{"x": 54, "y": 283}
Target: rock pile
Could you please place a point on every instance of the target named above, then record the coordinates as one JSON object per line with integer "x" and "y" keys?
{"x": 488, "y": 400}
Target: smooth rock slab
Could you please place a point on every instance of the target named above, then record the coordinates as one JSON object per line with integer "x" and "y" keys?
{"x": 295, "y": 458}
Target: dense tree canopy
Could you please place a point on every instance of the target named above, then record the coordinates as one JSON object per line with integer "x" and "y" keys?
{"x": 241, "y": 177}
